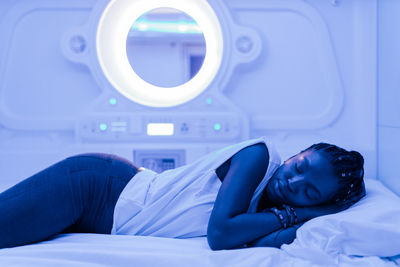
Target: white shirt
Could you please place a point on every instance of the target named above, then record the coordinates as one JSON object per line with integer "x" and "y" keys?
{"x": 178, "y": 202}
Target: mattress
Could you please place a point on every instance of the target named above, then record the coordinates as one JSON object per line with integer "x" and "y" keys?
{"x": 117, "y": 250}
{"x": 367, "y": 234}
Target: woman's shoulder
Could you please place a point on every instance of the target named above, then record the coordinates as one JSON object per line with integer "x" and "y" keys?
{"x": 274, "y": 156}
{"x": 257, "y": 147}
{"x": 256, "y": 153}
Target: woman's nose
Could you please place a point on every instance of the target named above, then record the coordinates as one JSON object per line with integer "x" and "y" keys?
{"x": 295, "y": 182}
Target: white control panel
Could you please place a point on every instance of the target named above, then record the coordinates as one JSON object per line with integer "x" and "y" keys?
{"x": 132, "y": 127}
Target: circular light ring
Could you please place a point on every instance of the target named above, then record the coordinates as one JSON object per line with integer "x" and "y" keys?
{"x": 112, "y": 32}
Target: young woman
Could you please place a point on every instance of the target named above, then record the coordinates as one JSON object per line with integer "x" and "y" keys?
{"x": 239, "y": 196}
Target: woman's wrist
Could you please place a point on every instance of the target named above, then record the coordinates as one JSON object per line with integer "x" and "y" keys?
{"x": 304, "y": 214}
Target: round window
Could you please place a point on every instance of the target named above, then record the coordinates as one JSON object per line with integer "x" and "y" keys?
{"x": 159, "y": 53}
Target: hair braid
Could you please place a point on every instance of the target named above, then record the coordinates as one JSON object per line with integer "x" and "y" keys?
{"x": 348, "y": 167}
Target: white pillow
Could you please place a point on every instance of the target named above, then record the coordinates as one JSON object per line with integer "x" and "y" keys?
{"x": 371, "y": 227}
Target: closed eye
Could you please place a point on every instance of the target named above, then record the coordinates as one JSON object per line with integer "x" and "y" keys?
{"x": 312, "y": 194}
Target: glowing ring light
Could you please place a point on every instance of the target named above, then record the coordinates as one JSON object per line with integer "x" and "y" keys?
{"x": 112, "y": 32}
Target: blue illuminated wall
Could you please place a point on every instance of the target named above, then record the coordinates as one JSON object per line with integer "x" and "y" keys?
{"x": 389, "y": 92}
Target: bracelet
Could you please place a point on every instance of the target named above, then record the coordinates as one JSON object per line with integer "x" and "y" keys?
{"x": 291, "y": 214}
{"x": 283, "y": 220}
{"x": 287, "y": 216}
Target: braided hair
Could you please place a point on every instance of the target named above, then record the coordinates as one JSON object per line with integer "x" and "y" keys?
{"x": 348, "y": 168}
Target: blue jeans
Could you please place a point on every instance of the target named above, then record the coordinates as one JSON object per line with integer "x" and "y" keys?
{"x": 77, "y": 194}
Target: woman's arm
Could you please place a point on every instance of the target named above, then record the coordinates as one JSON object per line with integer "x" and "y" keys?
{"x": 229, "y": 225}
{"x": 277, "y": 238}
{"x": 286, "y": 236}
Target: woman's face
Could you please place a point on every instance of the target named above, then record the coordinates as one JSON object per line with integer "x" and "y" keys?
{"x": 305, "y": 179}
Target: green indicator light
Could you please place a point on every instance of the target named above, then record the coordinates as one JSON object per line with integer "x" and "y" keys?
{"x": 209, "y": 101}
{"x": 217, "y": 126}
{"x": 103, "y": 126}
{"x": 113, "y": 101}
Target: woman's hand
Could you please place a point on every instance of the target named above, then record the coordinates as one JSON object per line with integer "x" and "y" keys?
{"x": 277, "y": 238}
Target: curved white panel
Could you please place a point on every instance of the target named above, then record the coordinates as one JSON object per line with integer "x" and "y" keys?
{"x": 39, "y": 88}
{"x": 301, "y": 87}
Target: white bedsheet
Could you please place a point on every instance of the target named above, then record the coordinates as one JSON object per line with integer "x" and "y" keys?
{"x": 117, "y": 250}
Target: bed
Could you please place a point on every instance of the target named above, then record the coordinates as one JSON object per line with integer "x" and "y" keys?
{"x": 367, "y": 234}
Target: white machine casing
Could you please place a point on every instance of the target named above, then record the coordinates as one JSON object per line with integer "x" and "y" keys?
{"x": 298, "y": 72}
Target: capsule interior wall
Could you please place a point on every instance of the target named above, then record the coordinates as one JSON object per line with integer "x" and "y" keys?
{"x": 299, "y": 72}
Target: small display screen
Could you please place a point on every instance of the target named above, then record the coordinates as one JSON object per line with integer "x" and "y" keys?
{"x": 156, "y": 129}
{"x": 158, "y": 165}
